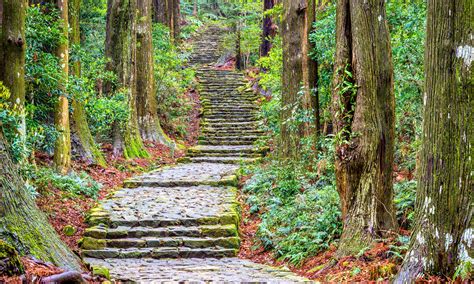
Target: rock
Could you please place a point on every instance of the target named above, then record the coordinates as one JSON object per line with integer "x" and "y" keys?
{"x": 101, "y": 271}
{"x": 69, "y": 230}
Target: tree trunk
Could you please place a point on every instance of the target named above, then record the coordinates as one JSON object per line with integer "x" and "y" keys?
{"x": 364, "y": 122}
{"x": 160, "y": 14}
{"x": 444, "y": 231}
{"x": 22, "y": 224}
{"x": 195, "y": 8}
{"x": 62, "y": 149}
{"x": 174, "y": 20}
{"x": 238, "y": 47}
{"x": 147, "y": 107}
{"x": 83, "y": 142}
{"x": 310, "y": 70}
{"x": 121, "y": 49}
{"x": 268, "y": 30}
{"x": 14, "y": 49}
{"x": 295, "y": 79}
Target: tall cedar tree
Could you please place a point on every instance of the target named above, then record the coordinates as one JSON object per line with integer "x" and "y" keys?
{"x": 83, "y": 143}
{"x": 268, "y": 29}
{"x": 62, "y": 147}
{"x": 364, "y": 120}
{"x": 299, "y": 76}
{"x": 121, "y": 49}
{"x": 160, "y": 12}
{"x": 147, "y": 106}
{"x": 444, "y": 231}
{"x": 13, "y": 55}
{"x": 22, "y": 223}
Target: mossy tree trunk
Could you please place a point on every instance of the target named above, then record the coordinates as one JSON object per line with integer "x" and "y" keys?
{"x": 13, "y": 53}
{"x": 83, "y": 142}
{"x": 444, "y": 229}
{"x": 62, "y": 147}
{"x": 147, "y": 107}
{"x": 268, "y": 30}
{"x": 298, "y": 78}
{"x": 364, "y": 120}
{"x": 121, "y": 49}
{"x": 22, "y": 224}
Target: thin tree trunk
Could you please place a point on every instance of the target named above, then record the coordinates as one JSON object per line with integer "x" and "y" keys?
{"x": 23, "y": 225}
{"x": 364, "y": 122}
{"x": 83, "y": 142}
{"x": 13, "y": 53}
{"x": 147, "y": 106}
{"x": 444, "y": 229}
{"x": 62, "y": 149}
{"x": 195, "y": 8}
{"x": 267, "y": 29}
{"x": 121, "y": 49}
{"x": 238, "y": 47}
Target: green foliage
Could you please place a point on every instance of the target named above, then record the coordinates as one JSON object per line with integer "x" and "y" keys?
{"x": 405, "y": 193}
{"x": 73, "y": 184}
{"x": 298, "y": 205}
{"x": 172, "y": 80}
{"x": 407, "y": 30}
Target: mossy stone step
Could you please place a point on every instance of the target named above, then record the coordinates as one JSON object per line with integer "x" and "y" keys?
{"x": 223, "y": 143}
{"x": 224, "y": 160}
{"x": 235, "y": 155}
{"x": 159, "y": 253}
{"x": 216, "y": 231}
{"x": 154, "y": 242}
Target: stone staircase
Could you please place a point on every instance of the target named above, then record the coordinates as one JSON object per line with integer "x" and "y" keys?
{"x": 206, "y": 46}
{"x": 180, "y": 223}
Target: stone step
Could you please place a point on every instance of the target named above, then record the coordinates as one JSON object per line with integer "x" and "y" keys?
{"x": 225, "y": 219}
{"x": 230, "y": 120}
{"x": 184, "y": 175}
{"x": 158, "y": 253}
{"x": 235, "y": 155}
{"x": 100, "y": 232}
{"x": 229, "y": 116}
{"x": 230, "y": 131}
{"x": 154, "y": 242}
{"x": 224, "y": 143}
{"x": 249, "y": 149}
{"x": 231, "y": 138}
{"x": 224, "y": 160}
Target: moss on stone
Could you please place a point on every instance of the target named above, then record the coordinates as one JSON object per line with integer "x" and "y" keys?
{"x": 88, "y": 243}
{"x": 101, "y": 271}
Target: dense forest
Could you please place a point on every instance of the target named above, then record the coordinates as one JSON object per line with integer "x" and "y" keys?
{"x": 236, "y": 141}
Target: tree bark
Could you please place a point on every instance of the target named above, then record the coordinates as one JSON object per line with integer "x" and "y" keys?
{"x": 22, "y": 224}
{"x": 13, "y": 53}
{"x": 268, "y": 30}
{"x": 147, "y": 106}
{"x": 364, "y": 121}
{"x": 83, "y": 142}
{"x": 444, "y": 231}
{"x": 62, "y": 149}
{"x": 160, "y": 12}
{"x": 121, "y": 49}
{"x": 298, "y": 70}
{"x": 174, "y": 14}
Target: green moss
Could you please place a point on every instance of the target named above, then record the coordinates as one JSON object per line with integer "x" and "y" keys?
{"x": 88, "y": 243}
{"x": 10, "y": 259}
{"x": 101, "y": 271}
{"x": 69, "y": 230}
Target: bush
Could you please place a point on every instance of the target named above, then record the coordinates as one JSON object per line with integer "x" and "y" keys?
{"x": 74, "y": 184}
{"x": 298, "y": 206}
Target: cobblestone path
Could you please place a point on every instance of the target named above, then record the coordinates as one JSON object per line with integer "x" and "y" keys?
{"x": 180, "y": 223}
